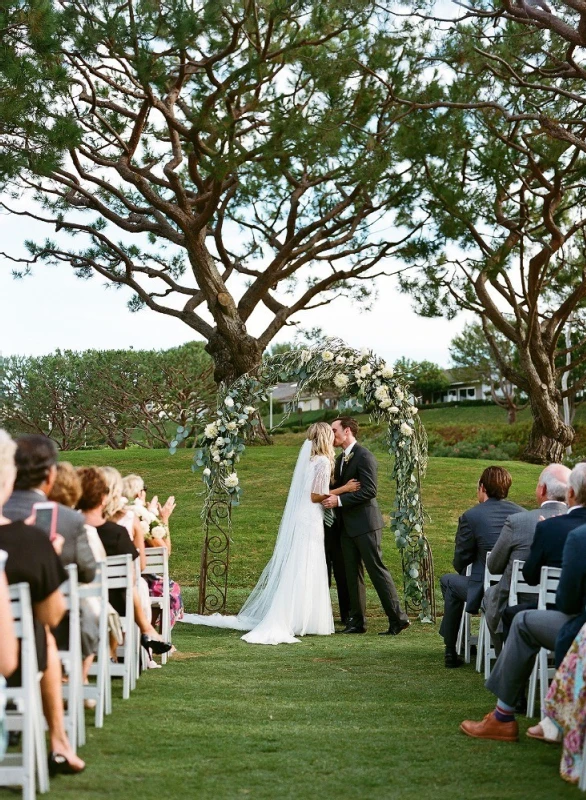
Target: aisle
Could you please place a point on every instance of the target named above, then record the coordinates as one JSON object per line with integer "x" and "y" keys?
{"x": 330, "y": 718}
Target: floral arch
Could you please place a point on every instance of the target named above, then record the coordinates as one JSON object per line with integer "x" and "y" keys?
{"x": 384, "y": 394}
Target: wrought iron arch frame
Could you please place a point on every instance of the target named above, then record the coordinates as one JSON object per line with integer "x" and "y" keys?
{"x": 384, "y": 394}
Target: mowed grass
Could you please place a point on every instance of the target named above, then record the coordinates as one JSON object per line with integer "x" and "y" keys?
{"x": 331, "y": 717}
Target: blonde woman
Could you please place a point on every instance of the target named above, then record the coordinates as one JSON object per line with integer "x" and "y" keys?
{"x": 292, "y": 596}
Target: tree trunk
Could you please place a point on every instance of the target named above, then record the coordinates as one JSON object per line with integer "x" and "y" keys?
{"x": 233, "y": 356}
{"x": 512, "y": 414}
{"x": 549, "y": 437}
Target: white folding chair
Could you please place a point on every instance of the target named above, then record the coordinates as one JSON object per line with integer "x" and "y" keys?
{"x": 157, "y": 563}
{"x": 30, "y": 765}
{"x": 71, "y": 659}
{"x": 519, "y": 586}
{"x": 543, "y": 670}
{"x": 465, "y": 640}
{"x": 484, "y": 641}
{"x": 119, "y": 571}
{"x": 101, "y": 691}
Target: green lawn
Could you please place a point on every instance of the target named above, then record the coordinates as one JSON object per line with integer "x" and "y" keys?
{"x": 331, "y": 717}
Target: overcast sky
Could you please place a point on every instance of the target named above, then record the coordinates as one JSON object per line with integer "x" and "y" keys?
{"x": 54, "y": 309}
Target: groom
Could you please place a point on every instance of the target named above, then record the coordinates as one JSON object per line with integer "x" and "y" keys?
{"x": 361, "y": 530}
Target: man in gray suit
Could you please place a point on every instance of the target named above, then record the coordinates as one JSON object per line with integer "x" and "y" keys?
{"x": 515, "y": 540}
{"x": 36, "y": 465}
{"x": 478, "y": 530}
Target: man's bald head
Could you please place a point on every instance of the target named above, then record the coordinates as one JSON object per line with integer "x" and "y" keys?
{"x": 553, "y": 483}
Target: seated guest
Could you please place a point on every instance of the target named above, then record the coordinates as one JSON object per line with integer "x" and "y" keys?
{"x": 548, "y": 543}
{"x": 67, "y": 491}
{"x": 565, "y": 710}
{"x": 533, "y": 629}
{"x": 32, "y": 559}
{"x": 550, "y": 535}
{"x": 116, "y": 542}
{"x": 9, "y": 649}
{"x": 514, "y": 542}
{"x": 36, "y": 462}
{"x": 478, "y": 530}
{"x": 158, "y": 535}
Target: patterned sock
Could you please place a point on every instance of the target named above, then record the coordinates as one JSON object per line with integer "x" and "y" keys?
{"x": 504, "y": 712}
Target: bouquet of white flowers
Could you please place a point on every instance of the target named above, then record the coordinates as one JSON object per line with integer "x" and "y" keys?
{"x": 152, "y": 526}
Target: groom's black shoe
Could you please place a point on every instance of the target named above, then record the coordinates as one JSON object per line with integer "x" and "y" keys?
{"x": 395, "y": 628}
{"x": 352, "y": 628}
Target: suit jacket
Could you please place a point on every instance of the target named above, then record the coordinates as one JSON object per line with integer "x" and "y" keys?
{"x": 478, "y": 531}
{"x": 359, "y": 512}
{"x": 571, "y": 592}
{"x": 548, "y": 543}
{"x": 70, "y": 524}
{"x": 513, "y": 543}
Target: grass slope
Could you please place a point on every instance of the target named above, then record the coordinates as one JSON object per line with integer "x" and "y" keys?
{"x": 331, "y": 717}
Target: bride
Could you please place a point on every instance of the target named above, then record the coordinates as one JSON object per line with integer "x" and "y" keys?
{"x": 292, "y": 596}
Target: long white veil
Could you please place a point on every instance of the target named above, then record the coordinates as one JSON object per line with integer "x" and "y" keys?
{"x": 258, "y": 604}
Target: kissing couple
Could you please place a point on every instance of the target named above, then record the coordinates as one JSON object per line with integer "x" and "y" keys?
{"x": 292, "y": 596}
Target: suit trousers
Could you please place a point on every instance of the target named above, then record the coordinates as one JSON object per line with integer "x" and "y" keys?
{"x": 531, "y": 630}
{"x": 335, "y": 565}
{"x": 361, "y": 552}
{"x": 454, "y": 590}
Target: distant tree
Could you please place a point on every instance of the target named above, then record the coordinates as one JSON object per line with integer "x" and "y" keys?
{"x": 107, "y": 398}
{"x": 471, "y": 350}
{"x": 426, "y": 377}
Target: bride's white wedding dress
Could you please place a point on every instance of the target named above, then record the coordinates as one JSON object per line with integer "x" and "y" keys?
{"x": 292, "y": 597}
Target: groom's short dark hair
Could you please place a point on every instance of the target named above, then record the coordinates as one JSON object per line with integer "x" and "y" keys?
{"x": 349, "y": 422}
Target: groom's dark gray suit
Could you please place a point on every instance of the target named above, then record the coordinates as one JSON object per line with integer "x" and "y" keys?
{"x": 360, "y": 535}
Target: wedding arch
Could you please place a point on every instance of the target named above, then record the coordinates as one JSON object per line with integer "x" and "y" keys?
{"x": 357, "y": 375}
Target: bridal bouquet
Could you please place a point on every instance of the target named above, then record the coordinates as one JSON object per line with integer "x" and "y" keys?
{"x": 152, "y": 526}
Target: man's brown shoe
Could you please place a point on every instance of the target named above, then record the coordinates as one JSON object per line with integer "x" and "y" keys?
{"x": 491, "y": 728}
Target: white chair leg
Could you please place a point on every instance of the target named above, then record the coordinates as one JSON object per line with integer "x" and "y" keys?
{"x": 532, "y": 690}
{"x": 480, "y": 645}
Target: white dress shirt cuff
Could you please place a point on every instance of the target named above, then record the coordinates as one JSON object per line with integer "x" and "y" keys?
{"x": 339, "y": 501}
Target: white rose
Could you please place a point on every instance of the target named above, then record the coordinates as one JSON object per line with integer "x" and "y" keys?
{"x": 216, "y": 458}
{"x": 211, "y": 431}
{"x": 219, "y": 441}
{"x": 357, "y": 374}
{"x": 386, "y": 371}
{"x": 230, "y": 454}
{"x": 365, "y": 370}
{"x": 231, "y": 480}
{"x": 393, "y": 409}
{"x": 305, "y": 356}
{"x": 228, "y": 402}
{"x": 400, "y": 394}
{"x": 250, "y": 409}
{"x": 327, "y": 355}
{"x": 405, "y": 429}
{"x": 340, "y": 360}
{"x": 364, "y": 351}
{"x": 413, "y": 573}
{"x": 145, "y": 526}
{"x": 341, "y": 381}
{"x": 413, "y": 410}
{"x": 231, "y": 426}
{"x": 382, "y": 393}
{"x": 159, "y": 532}
{"x": 207, "y": 472}
{"x": 386, "y": 403}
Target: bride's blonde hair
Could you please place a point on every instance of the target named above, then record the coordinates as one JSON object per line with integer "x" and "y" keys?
{"x": 321, "y": 437}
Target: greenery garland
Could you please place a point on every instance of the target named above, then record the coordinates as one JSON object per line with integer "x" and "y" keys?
{"x": 384, "y": 394}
